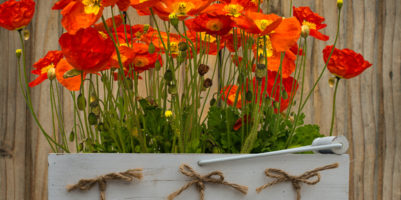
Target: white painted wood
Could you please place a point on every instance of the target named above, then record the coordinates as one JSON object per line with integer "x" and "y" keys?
{"x": 162, "y": 176}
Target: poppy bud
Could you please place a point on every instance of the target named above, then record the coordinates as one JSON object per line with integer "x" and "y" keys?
{"x": 18, "y": 53}
{"x": 95, "y": 110}
{"x": 284, "y": 94}
{"x": 174, "y": 20}
{"x": 172, "y": 89}
{"x": 332, "y": 81}
{"x": 157, "y": 65}
{"x": 339, "y": 4}
{"x": 92, "y": 118}
{"x": 248, "y": 96}
{"x": 261, "y": 66}
{"x": 276, "y": 105}
{"x": 26, "y": 34}
{"x": 151, "y": 48}
{"x": 260, "y": 73}
{"x": 81, "y": 102}
{"x": 305, "y": 31}
{"x": 168, "y": 76}
{"x": 72, "y": 136}
{"x": 203, "y": 69}
{"x": 146, "y": 28}
{"x": 93, "y": 100}
{"x": 207, "y": 83}
{"x": 212, "y": 101}
{"x": 182, "y": 46}
{"x": 51, "y": 73}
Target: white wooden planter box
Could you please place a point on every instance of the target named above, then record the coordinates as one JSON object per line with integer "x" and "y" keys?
{"x": 161, "y": 176}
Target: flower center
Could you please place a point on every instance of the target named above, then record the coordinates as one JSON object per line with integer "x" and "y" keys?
{"x": 233, "y": 10}
{"x": 92, "y": 6}
{"x": 174, "y": 47}
{"x": 265, "y": 45}
{"x": 263, "y": 24}
{"x": 141, "y": 62}
{"x": 309, "y": 24}
{"x": 214, "y": 24}
{"x": 182, "y": 8}
{"x": 45, "y": 69}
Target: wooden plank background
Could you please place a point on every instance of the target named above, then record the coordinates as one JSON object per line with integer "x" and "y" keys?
{"x": 368, "y": 111}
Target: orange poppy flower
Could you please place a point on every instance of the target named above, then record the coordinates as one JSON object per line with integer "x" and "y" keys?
{"x": 281, "y": 39}
{"x": 228, "y": 94}
{"x": 211, "y": 24}
{"x": 137, "y": 57}
{"x": 174, "y": 40}
{"x": 144, "y": 60}
{"x": 259, "y": 23}
{"x": 88, "y": 50}
{"x": 181, "y": 8}
{"x": 289, "y": 86}
{"x": 16, "y": 14}
{"x": 43, "y": 65}
{"x": 312, "y": 20}
{"x": 79, "y": 14}
{"x": 345, "y": 63}
{"x": 73, "y": 83}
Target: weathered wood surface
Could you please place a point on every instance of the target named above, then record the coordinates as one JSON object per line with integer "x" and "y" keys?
{"x": 368, "y": 112}
{"x": 161, "y": 176}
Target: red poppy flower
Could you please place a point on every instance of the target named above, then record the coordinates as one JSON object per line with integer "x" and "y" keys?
{"x": 345, "y": 63}
{"x": 16, "y": 14}
{"x": 228, "y": 94}
{"x": 43, "y": 65}
{"x": 142, "y": 6}
{"x": 312, "y": 20}
{"x": 88, "y": 50}
{"x": 73, "y": 83}
{"x": 240, "y": 121}
{"x": 181, "y": 8}
{"x": 288, "y": 86}
{"x": 109, "y": 23}
{"x": 211, "y": 24}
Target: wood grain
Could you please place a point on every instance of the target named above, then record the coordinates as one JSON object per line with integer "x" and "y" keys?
{"x": 368, "y": 112}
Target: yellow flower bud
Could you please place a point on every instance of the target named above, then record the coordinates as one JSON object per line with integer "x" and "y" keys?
{"x": 339, "y": 4}
{"x": 51, "y": 73}
{"x": 168, "y": 113}
{"x": 18, "y": 53}
{"x": 305, "y": 31}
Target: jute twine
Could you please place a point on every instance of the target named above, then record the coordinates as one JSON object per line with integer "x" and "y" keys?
{"x": 282, "y": 176}
{"x": 86, "y": 184}
{"x": 216, "y": 177}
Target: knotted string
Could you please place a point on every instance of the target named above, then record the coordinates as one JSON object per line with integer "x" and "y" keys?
{"x": 216, "y": 177}
{"x": 282, "y": 176}
{"x": 86, "y": 184}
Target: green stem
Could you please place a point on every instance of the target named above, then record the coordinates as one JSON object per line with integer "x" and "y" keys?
{"x": 334, "y": 106}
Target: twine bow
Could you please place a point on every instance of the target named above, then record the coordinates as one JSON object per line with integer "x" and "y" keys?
{"x": 213, "y": 177}
{"x": 86, "y": 184}
{"x": 282, "y": 176}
